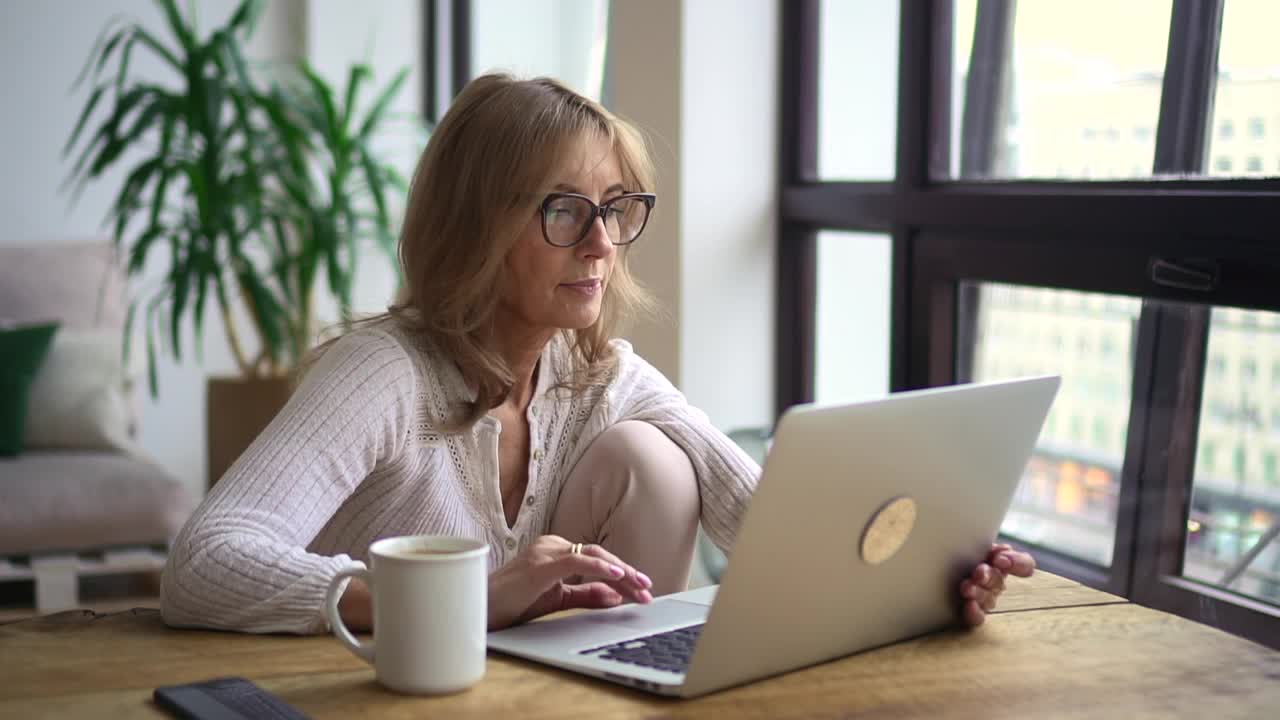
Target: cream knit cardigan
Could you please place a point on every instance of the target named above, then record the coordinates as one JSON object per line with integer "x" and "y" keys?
{"x": 357, "y": 455}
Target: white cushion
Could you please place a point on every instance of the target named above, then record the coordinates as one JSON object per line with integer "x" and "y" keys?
{"x": 77, "y": 399}
{"x": 79, "y": 500}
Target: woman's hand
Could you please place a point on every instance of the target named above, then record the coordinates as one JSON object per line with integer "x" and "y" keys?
{"x": 548, "y": 576}
{"x": 986, "y": 582}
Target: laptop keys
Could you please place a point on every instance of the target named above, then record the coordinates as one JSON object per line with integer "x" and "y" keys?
{"x": 668, "y": 650}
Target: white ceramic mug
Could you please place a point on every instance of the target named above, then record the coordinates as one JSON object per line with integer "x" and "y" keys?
{"x": 430, "y": 612}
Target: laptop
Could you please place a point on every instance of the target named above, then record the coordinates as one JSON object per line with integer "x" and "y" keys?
{"x": 863, "y": 524}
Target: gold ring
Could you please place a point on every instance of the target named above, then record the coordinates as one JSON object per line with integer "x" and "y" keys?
{"x": 575, "y": 549}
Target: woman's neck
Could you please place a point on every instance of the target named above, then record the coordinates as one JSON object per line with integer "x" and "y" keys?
{"x": 522, "y": 350}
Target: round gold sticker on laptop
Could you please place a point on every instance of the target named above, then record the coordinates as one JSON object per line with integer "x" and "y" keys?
{"x": 888, "y": 530}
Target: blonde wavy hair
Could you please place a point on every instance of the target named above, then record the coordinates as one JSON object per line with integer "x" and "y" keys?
{"x": 476, "y": 185}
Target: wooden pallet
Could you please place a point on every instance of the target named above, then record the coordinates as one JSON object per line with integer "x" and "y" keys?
{"x": 57, "y": 575}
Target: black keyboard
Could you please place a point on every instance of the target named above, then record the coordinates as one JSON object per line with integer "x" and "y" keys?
{"x": 668, "y": 650}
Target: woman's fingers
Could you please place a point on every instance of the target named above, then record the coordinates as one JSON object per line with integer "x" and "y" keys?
{"x": 982, "y": 588}
{"x": 986, "y": 599}
{"x": 988, "y": 577}
{"x": 633, "y": 584}
{"x": 637, "y": 578}
{"x": 582, "y": 565}
{"x": 1014, "y": 562}
{"x": 571, "y": 564}
{"x": 590, "y": 595}
{"x": 973, "y": 614}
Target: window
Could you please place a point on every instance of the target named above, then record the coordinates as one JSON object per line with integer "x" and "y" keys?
{"x": 1101, "y": 435}
{"x": 542, "y": 37}
{"x": 1233, "y": 541}
{"x": 1218, "y": 365}
{"x": 446, "y": 42}
{"x": 858, "y": 48}
{"x": 1071, "y": 85}
{"x": 1248, "y": 369}
{"x": 1207, "y": 455}
{"x": 852, "y": 354}
{"x": 1054, "y": 512}
{"x": 1248, "y": 86}
{"x": 1108, "y": 345}
{"x": 1032, "y": 227}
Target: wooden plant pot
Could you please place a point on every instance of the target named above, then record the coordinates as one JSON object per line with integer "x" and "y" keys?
{"x": 237, "y": 410}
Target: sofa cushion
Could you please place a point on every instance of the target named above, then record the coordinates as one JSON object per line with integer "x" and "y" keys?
{"x": 78, "y": 284}
{"x": 77, "y": 398}
{"x": 81, "y": 285}
{"x": 81, "y": 500}
{"x": 22, "y": 352}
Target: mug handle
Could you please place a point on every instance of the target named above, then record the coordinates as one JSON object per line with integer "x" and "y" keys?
{"x": 340, "y": 631}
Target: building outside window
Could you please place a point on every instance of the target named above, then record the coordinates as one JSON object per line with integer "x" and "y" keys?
{"x": 1007, "y": 262}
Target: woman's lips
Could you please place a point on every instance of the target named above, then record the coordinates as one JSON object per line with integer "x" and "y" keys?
{"x": 585, "y": 287}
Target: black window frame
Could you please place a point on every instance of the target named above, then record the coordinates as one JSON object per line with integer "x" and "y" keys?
{"x": 446, "y": 54}
{"x": 1141, "y": 238}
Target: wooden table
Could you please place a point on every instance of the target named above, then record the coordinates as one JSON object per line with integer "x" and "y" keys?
{"x": 1056, "y": 649}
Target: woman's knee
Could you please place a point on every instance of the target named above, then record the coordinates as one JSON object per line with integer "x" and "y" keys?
{"x": 652, "y": 458}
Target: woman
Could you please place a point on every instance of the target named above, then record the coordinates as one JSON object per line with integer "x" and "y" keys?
{"x": 491, "y": 401}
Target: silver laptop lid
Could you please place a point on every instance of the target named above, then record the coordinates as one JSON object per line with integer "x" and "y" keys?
{"x": 800, "y": 589}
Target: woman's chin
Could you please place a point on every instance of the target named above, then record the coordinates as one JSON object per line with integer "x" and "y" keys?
{"x": 579, "y": 320}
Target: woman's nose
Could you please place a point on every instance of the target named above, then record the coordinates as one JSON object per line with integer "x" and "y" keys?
{"x": 597, "y": 241}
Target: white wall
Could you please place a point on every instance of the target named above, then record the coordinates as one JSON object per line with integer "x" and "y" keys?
{"x": 387, "y": 36}
{"x": 700, "y": 76}
{"x": 43, "y": 44}
{"x": 728, "y": 185}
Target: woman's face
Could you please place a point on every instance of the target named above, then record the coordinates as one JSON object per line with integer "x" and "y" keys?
{"x": 547, "y": 287}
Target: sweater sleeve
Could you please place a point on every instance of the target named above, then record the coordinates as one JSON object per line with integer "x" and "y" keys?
{"x": 727, "y": 475}
{"x": 241, "y": 562}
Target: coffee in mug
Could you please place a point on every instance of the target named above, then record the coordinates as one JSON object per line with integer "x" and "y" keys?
{"x": 430, "y": 612}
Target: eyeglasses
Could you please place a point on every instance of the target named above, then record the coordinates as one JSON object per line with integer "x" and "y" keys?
{"x": 567, "y": 217}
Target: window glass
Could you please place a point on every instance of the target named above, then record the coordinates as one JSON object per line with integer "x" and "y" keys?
{"x": 1069, "y": 494}
{"x": 857, "y": 90}
{"x": 1234, "y": 516}
{"x": 852, "y": 353}
{"x": 1246, "y": 104}
{"x": 1080, "y": 98}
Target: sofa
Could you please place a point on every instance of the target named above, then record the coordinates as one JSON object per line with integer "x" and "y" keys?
{"x": 80, "y": 497}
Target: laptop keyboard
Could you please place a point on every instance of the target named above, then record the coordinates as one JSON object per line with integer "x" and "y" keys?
{"x": 668, "y": 650}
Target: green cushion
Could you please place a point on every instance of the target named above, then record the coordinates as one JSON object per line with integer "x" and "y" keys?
{"x": 22, "y": 350}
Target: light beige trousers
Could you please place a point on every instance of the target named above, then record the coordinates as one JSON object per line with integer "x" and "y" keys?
{"x": 634, "y": 493}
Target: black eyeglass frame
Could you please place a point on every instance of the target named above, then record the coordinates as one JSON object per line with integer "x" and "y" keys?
{"x": 597, "y": 211}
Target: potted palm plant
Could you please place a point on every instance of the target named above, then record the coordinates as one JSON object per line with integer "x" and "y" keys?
{"x": 254, "y": 193}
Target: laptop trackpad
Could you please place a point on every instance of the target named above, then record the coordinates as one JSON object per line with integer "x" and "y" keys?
{"x": 601, "y": 627}
{"x": 661, "y": 615}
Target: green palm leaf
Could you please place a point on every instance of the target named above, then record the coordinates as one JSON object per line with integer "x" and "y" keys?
{"x": 254, "y": 191}
{"x": 375, "y": 116}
